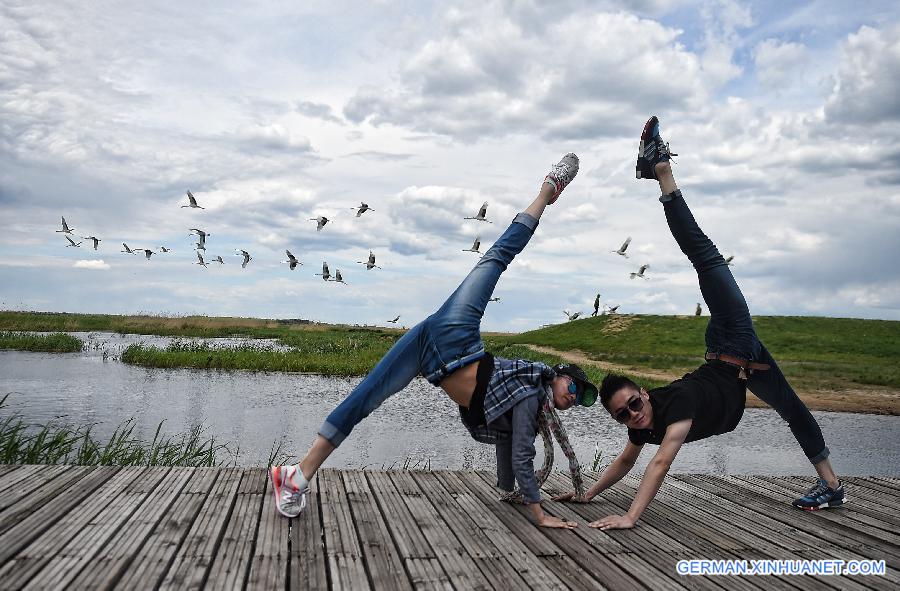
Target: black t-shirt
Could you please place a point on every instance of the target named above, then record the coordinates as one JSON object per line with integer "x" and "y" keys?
{"x": 712, "y": 395}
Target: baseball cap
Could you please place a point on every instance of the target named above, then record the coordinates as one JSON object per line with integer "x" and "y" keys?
{"x": 587, "y": 391}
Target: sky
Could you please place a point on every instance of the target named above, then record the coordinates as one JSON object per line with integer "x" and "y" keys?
{"x": 785, "y": 117}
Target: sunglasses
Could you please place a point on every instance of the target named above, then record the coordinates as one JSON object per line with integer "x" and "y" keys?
{"x": 634, "y": 405}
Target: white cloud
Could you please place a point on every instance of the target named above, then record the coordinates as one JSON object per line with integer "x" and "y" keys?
{"x": 95, "y": 265}
{"x": 780, "y": 65}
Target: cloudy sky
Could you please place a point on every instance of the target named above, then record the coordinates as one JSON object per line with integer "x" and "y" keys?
{"x": 786, "y": 117}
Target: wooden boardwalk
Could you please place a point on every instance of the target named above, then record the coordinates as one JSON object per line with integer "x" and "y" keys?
{"x": 160, "y": 528}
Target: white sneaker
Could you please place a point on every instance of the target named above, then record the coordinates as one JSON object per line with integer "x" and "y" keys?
{"x": 562, "y": 174}
{"x": 290, "y": 499}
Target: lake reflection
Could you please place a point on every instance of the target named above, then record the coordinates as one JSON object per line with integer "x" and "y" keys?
{"x": 252, "y": 411}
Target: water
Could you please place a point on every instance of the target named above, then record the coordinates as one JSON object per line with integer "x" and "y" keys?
{"x": 252, "y": 411}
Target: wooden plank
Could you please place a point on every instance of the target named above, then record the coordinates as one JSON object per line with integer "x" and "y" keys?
{"x": 308, "y": 569}
{"x": 156, "y": 555}
{"x": 873, "y": 489}
{"x": 125, "y": 545}
{"x": 346, "y": 569}
{"x": 419, "y": 558}
{"x": 43, "y": 512}
{"x": 269, "y": 563}
{"x": 759, "y": 499}
{"x": 82, "y": 535}
{"x": 12, "y": 475}
{"x": 194, "y": 557}
{"x": 520, "y": 557}
{"x": 6, "y": 468}
{"x": 231, "y": 564}
{"x": 20, "y": 498}
{"x": 479, "y": 550}
{"x": 382, "y": 561}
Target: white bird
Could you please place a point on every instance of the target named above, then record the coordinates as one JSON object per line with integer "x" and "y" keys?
{"x": 640, "y": 272}
{"x": 94, "y": 239}
{"x": 72, "y": 242}
{"x": 219, "y": 260}
{"x": 338, "y": 278}
{"x": 363, "y": 208}
{"x": 200, "y": 260}
{"x": 623, "y": 248}
{"x": 147, "y": 252}
{"x": 729, "y": 259}
{"x": 493, "y": 299}
{"x": 475, "y": 246}
{"x": 246, "y": 256}
{"x": 200, "y": 233}
{"x": 571, "y": 315}
{"x": 326, "y": 274}
{"x": 127, "y": 249}
{"x": 699, "y": 310}
{"x": 200, "y": 246}
{"x": 193, "y": 201}
{"x": 320, "y": 222}
{"x": 370, "y": 262}
{"x": 480, "y": 216}
{"x": 164, "y": 249}
{"x": 613, "y": 309}
{"x": 65, "y": 227}
{"x": 394, "y": 321}
{"x": 292, "y": 260}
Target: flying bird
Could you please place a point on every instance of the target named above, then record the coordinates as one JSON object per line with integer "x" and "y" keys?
{"x": 571, "y": 315}
{"x": 200, "y": 233}
{"x": 200, "y": 260}
{"x": 147, "y": 252}
{"x": 193, "y": 201}
{"x": 493, "y": 299}
{"x": 127, "y": 249}
{"x": 164, "y": 249}
{"x": 480, "y": 216}
{"x": 640, "y": 272}
{"x": 246, "y": 256}
{"x": 65, "y": 227}
{"x": 475, "y": 246}
{"x": 363, "y": 208}
{"x": 613, "y": 309}
{"x": 370, "y": 262}
{"x": 728, "y": 259}
{"x": 219, "y": 260}
{"x": 326, "y": 274}
{"x": 292, "y": 260}
{"x": 94, "y": 239}
{"x": 320, "y": 222}
{"x": 200, "y": 246}
{"x": 394, "y": 321}
{"x": 699, "y": 310}
{"x": 72, "y": 242}
{"x": 623, "y": 248}
{"x": 338, "y": 278}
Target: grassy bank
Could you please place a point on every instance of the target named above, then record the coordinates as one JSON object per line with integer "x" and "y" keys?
{"x": 60, "y": 443}
{"x": 51, "y": 343}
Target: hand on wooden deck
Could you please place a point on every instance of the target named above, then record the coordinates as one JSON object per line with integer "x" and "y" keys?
{"x": 613, "y": 522}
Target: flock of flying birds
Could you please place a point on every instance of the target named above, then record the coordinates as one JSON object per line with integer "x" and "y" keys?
{"x": 292, "y": 261}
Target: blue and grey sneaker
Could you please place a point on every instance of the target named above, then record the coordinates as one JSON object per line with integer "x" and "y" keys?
{"x": 651, "y": 151}
{"x": 821, "y": 496}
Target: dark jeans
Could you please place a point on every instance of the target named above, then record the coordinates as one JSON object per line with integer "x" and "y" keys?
{"x": 730, "y": 329}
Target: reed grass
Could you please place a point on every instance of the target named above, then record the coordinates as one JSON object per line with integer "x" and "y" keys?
{"x": 57, "y": 342}
{"x": 61, "y": 443}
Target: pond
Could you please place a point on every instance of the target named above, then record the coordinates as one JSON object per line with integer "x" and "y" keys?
{"x": 251, "y": 412}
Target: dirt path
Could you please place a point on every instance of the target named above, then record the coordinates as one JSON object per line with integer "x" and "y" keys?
{"x": 863, "y": 400}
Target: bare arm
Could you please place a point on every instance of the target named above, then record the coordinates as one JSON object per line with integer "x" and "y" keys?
{"x": 653, "y": 477}
{"x": 617, "y": 470}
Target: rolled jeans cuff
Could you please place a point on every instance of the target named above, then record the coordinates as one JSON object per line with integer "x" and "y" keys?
{"x": 527, "y": 220}
{"x": 332, "y": 434}
{"x": 820, "y": 456}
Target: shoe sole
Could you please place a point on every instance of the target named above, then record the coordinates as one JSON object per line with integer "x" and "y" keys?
{"x": 831, "y": 505}
{"x": 275, "y": 494}
{"x": 645, "y": 135}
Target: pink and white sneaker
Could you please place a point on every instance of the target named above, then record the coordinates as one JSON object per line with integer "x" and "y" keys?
{"x": 562, "y": 174}
{"x": 290, "y": 497}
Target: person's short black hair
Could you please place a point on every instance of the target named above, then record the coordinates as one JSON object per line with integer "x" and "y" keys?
{"x": 611, "y": 384}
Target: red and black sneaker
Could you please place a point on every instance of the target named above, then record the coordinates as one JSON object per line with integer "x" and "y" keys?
{"x": 651, "y": 151}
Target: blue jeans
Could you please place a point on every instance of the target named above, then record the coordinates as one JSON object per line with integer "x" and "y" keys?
{"x": 730, "y": 330}
{"x": 439, "y": 345}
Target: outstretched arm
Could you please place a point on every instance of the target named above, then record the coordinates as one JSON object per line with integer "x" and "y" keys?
{"x": 617, "y": 470}
{"x": 656, "y": 471}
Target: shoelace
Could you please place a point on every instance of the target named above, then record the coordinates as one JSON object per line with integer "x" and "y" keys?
{"x": 817, "y": 490}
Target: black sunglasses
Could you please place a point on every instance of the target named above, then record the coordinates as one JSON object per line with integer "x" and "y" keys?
{"x": 634, "y": 405}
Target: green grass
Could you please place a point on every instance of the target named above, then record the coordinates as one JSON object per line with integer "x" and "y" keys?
{"x": 61, "y": 443}
{"x": 50, "y": 343}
